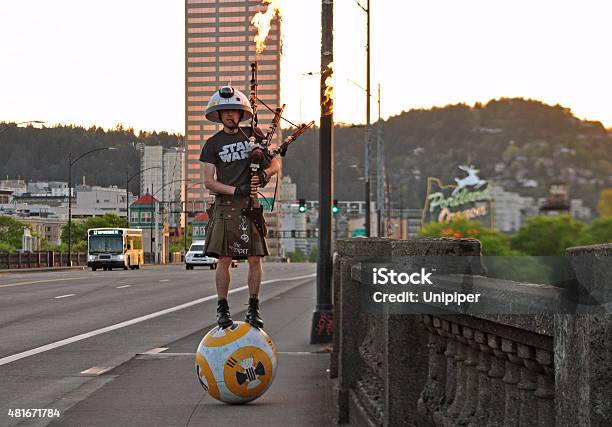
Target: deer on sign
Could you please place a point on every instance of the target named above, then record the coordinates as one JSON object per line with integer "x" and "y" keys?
{"x": 472, "y": 180}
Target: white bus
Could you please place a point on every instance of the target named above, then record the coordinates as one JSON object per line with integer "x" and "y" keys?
{"x": 109, "y": 248}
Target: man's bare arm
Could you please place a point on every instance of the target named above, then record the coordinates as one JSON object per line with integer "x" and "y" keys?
{"x": 273, "y": 168}
{"x": 212, "y": 184}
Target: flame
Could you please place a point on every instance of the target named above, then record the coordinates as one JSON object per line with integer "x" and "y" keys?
{"x": 263, "y": 22}
{"x": 328, "y": 102}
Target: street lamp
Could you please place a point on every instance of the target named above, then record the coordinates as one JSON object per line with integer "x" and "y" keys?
{"x": 128, "y": 178}
{"x": 366, "y": 9}
{"x": 70, "y": 163}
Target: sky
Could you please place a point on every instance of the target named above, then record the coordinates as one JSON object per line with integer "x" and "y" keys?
{"x": 122, "y": 61}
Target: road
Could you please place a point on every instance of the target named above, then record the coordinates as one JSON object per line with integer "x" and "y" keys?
{"x": 60, "y": 330}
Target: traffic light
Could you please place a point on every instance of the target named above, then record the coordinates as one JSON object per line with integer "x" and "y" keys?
{"x": 335, "y": 209}
{"x": 302, "y": 207}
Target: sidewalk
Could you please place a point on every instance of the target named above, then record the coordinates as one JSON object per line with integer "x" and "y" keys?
{"x": 162, "y": 389}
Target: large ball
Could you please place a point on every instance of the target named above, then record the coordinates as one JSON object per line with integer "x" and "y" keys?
{"x": 236, "y": 364}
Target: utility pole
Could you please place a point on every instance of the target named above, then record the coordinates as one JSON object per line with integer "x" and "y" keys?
{"x": 380, "y": 175}
{"x": 401, "y": 212}
{"x": 367, "y": 133}
{"x": 69, "y": 211}
{"x": 322, "y": 319}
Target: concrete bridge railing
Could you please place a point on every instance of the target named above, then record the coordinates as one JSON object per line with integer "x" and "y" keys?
{"x": 464, "y": 367}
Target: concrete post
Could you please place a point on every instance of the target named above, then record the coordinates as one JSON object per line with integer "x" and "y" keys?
{"x": 583, "y": 355}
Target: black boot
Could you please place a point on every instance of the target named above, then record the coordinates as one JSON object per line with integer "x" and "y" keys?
{"x": 223, "y": 314}
{"x": 252, "y": 316}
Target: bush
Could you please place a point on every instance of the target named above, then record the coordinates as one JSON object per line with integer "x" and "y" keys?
{"x": 297, "y": 256}
{"x": 549, "y": 235}
{"x": 600, "y": 231}
{"x": 11, "y": 233}
{"x": 493, "y": 242}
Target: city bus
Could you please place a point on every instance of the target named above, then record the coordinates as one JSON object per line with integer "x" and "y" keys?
{"x": 109, "y": 248}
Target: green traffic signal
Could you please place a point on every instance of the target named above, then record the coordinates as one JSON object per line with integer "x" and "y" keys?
{"x": 302, "y": 209}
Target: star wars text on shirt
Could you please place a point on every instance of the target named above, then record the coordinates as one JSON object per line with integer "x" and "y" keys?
{"x": 234, "y": 151}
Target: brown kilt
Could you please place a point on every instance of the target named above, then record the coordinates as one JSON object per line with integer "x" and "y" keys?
{"x": 231, "y": 232}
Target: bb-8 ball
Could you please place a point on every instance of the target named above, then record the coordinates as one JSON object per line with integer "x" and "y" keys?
{"x": 236, "y": 364}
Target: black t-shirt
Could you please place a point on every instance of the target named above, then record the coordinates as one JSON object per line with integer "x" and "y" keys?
{"x": 230, "y": 155}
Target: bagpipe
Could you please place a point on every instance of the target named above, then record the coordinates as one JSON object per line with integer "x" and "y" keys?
{"x": 261, "y": 152}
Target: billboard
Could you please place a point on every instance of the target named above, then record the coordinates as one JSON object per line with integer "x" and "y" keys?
{"x": 468, "y": 198}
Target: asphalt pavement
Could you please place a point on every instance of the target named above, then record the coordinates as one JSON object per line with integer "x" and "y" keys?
{"x": 117, "y": 348}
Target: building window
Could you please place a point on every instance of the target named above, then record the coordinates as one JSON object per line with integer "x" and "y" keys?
{"x": 145, "y": 216}
{"x": 134, "y": 216}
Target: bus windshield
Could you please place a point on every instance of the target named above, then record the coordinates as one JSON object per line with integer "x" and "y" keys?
{"x": 106, "y": 244}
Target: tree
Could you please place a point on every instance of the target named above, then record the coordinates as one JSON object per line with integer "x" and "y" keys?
{"x": 604, "y": 206}
{"x": 297, "y": 256}
{"x": 500, "y": 260}
{"x": 493, "y": 242}
{"x": 600, "y": 231}
{"x": 11, "y": 233}
{"x": 313, "y": 256}
{"x": 549, "y": 236}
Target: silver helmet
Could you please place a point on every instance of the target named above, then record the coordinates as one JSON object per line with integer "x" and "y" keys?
{"x": 228, "y": 98}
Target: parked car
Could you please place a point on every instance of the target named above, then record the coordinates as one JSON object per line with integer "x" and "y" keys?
{"x": 195, "y": 257}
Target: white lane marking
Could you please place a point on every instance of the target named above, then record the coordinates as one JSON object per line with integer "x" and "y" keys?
{"x": 51, "y": 346}
{"x": 164, "y": 280}
{"x": 40, "y": 281}
{"x": 65, "y": 296}
{"x": 124, "y": 286}
{"x": 156, "y": 350}
{"x": 95, "y": 371}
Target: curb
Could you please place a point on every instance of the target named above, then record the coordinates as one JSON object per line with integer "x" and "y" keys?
{"x": 80, "y": 267}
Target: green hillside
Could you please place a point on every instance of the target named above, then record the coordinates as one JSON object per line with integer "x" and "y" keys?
{"x": 523, "y": 145}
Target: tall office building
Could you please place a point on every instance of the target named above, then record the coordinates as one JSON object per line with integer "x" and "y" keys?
{"x": 219, "y": 48}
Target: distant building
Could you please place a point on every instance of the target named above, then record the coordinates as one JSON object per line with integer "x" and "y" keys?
{"x": 289, "y": 189}
{"x": 17, "y": 186}
{"x": 145, "y": 215}
{"x": 199, "y": 226}
{"x": 6, "y": 196}
{"x": 557, "y": 202}
{"x": 96, "y": 201}
{"x": 507, "y": 208}
{"x": 46, "y": 228}
{"x": 49, "y": 188}
{"x": 152, "y": 176}
{"x": 579, "y": 211}
{"x": 162, "y": 177}
{"x": 294, "y": 230}
{"x": 87, "y": 201}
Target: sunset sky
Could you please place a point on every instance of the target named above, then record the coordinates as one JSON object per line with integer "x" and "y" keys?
{"x": 105, "y": 62}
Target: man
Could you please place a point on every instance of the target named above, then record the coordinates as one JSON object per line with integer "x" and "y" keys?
{"x": 235, "y": 231}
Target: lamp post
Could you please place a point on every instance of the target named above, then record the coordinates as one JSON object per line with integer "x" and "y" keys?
{"x": 366, "y": 174}
{"x": 70, "y": 163}
{"x": 129, "y": 178}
